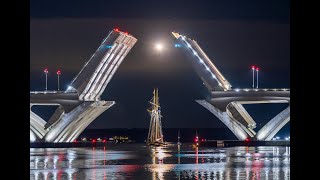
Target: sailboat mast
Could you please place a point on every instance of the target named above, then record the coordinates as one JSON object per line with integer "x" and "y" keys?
{"x": 155, "y": 129}
{"x": 157, "y": 99}
{"x": 154, "y": 99}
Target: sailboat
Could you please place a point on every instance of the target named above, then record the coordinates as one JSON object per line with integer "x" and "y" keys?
{"x": 155, "y": 135}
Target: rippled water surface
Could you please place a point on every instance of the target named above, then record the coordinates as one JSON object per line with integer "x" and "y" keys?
{"x": 138, "y": 161}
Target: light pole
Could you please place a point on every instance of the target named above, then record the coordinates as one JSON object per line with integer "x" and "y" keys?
{"x": 257, "y": 69}
{"x": 46, "y": 72}
{"x": 58, "y": 73}
{"x": 253, "y": 69}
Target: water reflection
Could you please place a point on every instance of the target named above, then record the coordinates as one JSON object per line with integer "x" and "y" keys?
{"x": 158, "y": 166}
{"x": 137, "y": 161}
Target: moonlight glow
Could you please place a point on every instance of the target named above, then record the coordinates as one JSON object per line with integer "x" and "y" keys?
{"x": 159, "y": 47}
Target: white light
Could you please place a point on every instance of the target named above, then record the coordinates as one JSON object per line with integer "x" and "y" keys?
{"x": 195, "y": 53}
{"x": 220, "y": 84}
{"x": 32, "y": 137}
{"x": 265, "y": 89}
{"x": 256, "y": 89}
{"x": 246, "y": 90}
{"x": 159, "y": 47}
{"x": 161, "y": 154}
{"x": 69, "y": 88}
{"x": 237, "y": 90}
{"x": 274, "y": 139}
{"x": 287, "y": 138}
{"x": 207, "y": 68}
{"x": 188, "y": 45}
{"x": 200, "y": 60}
{"x": 277, "y": 137}
{"x": 183, "y": 38}
{"x": 213, "y": 76}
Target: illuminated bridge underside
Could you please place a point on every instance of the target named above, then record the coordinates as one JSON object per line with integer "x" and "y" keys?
{"x": 268, "y": 131}
{"x": 237, "y": 120}
{"x": 72, "y": 124}
{"x": 231, "y": 103}
{"x": 238, "y": 113}
{"x": 80, "y": 104}
{"x": 234, "y": 126}
{"x": 33, "y": 137}
{"x": 37, "y": 125}
{"x": 56, "y": 117}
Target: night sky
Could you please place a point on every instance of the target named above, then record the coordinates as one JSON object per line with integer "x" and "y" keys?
{"x": 234, "y": 34}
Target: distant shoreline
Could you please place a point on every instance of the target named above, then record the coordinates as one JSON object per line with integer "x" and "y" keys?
{"x": 212, "y": 143}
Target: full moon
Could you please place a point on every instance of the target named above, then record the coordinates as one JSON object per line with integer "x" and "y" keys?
{"x": 159, "y": 47}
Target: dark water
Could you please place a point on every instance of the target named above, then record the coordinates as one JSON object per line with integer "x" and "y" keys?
{"x": 138, "y": 161}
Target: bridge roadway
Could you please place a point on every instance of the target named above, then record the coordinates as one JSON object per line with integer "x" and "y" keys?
{"x": 68, "y": 100}
{"x": 220, "y": 99}
{"x": 236, "y": 89}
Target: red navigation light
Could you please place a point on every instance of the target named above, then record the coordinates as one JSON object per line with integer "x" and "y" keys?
{"x": 104, "y": 141}
{"x": 257, "y": 69}
{"x": 58, "y": 72}
{"x": 126, "y": 33}
{"x": 196, "y": 139}
{"x": 116, "y": 29}
{"x": 253, "y": 67}
{"x": 46, "y": 70}
{"x": 93, "y": 140}
{"x": 247, "y": 140}
{"x": 202, "y": 140}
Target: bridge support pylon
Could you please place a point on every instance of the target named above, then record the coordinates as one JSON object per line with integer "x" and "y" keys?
{"x": 235, "y": 127}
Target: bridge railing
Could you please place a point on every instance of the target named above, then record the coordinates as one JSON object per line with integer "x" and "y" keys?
{"x": 48, "y": 92}
{"x": 256, "y": 89}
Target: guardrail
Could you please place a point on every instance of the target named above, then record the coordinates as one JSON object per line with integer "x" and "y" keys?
{"x": 254, "y": 89}
{"x": 49, "y": 92}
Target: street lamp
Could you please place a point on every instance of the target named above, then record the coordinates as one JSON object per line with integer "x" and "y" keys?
{"x": 58, "y": 73}
{"x": 46, "y": 72}
{"x": 253, "y": 69}
{"x": 257, "y": 69}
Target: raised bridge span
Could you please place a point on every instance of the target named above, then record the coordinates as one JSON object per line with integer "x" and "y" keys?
{"x": 227, "y": 103}
{"x": 81, "y": 103}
